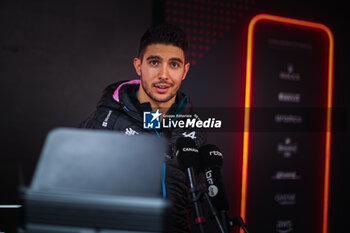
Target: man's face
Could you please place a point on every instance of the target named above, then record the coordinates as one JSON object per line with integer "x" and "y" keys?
{"x": 162, "y": 70}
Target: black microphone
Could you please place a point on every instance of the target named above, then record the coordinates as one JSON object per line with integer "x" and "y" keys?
{"x": 188, "y": 159}
{"x": 187, "y": 154}
{"x": 211, "y": 160}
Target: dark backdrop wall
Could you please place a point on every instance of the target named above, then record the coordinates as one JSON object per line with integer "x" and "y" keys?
{"x": 57, "y": 56}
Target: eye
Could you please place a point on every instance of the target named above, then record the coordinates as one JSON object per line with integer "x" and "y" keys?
{"x": 174, "y": 64}
{"x": 153, "y": 62}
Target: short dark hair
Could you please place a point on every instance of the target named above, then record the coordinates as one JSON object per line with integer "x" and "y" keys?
{"x": 166, "y": 33}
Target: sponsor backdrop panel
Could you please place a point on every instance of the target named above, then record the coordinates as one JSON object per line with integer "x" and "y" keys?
{"x": 295, "y": 184}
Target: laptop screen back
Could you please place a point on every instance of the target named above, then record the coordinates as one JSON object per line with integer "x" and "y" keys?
{"x": 100, "y": 162}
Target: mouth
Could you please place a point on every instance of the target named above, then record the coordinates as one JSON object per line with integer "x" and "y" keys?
{"x": 162, "y": 87}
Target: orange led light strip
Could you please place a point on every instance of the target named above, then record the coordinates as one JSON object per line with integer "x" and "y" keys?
{"x": 245, "y": 155}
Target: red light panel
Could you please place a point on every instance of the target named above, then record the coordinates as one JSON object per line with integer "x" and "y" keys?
{"x": 245, "y": 156}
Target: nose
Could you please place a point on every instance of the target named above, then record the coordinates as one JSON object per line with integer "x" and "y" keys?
{"x": 163, "y": 72}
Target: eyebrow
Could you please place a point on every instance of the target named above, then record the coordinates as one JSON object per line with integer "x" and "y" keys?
{"x": 176, "y": 59}
{"x": 153, "y": 57}
{"x": 159, "y": 58}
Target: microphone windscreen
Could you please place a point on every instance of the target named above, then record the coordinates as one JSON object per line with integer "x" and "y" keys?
{"x": 211, "y": 164}
{"x": 216, "y": 189}
{"x": 210, "y": 157}
{"x": 187, "y": 153}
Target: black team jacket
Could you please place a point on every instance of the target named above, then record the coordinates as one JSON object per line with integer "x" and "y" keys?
{"x": 120, "y": 110}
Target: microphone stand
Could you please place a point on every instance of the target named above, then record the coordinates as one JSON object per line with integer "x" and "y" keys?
{"x": 228, "y": 222}
{"x": 215, "y": 214}
{"x": 200, "y": 220}
{"x": 232, "y": 222}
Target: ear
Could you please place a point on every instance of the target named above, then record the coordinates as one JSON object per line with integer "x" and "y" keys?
{"x": 187, "y": 67}
{"x": 137, "y": 65}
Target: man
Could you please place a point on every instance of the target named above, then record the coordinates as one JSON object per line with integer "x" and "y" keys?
{"x": 162, "y": 66}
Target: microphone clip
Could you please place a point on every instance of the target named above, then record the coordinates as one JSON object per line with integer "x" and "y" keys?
{"x": 197, "y": 194}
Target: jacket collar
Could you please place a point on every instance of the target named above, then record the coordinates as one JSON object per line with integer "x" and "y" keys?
{"x": 123, "y": 95}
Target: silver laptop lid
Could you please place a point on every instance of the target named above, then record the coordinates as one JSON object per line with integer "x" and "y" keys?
{"x": 100, "y": 162}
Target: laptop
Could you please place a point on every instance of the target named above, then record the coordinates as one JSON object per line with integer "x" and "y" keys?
{"x": 97, "y": 180}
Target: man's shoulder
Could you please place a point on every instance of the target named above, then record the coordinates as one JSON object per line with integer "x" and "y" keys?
{"x": 103, "y": 118}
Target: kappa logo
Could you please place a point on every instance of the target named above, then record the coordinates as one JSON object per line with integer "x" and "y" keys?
{"x": 130, "y": 132}
{"x": 151, "y": 120}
